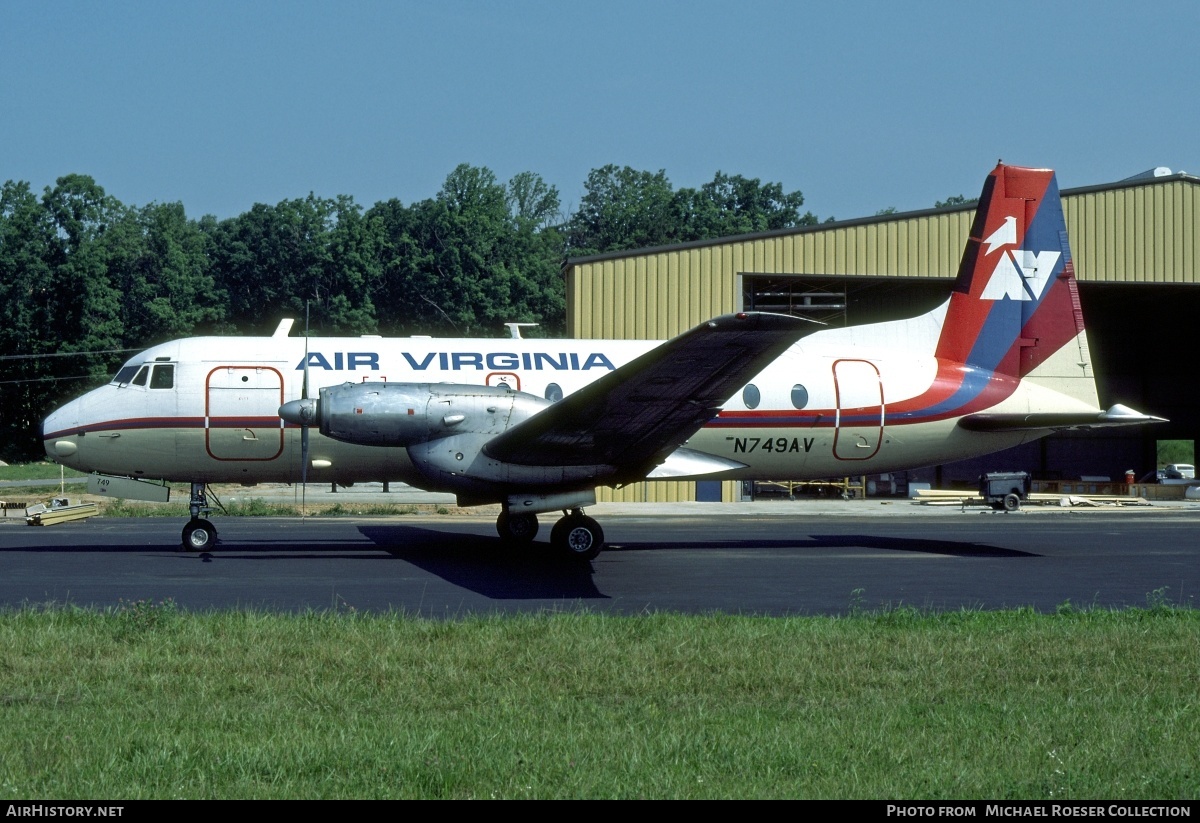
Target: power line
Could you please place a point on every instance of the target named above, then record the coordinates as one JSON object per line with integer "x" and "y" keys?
{"x": 47, "y": 379}
{"x": 64, "y": 354}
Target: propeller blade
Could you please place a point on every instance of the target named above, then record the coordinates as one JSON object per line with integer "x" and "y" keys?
{"x": 309, "y": 412}
{"x": 304, "y": 383}
{"x": 303, "y": 457}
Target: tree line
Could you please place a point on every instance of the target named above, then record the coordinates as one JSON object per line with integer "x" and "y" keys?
{"x": 85, "y": 280}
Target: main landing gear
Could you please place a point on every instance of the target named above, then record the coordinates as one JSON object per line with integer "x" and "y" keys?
{"x": 199, "y": 534}
{"x": 575, "y": 535}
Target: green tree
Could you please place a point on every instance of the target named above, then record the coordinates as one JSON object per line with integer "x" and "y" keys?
{"x": 59, "y": 300}
{"x": 350, "y": 273}
{"x": 732, "y": 204}
{"x": 84, "y": 306}
{"x": 623, "y": 208}
{"x": 181, "y": 293}
{"x": 535, "y": 251}
{"x": 626, "y": 209}
{"x": 272, "y": 261}
{"x": 532, "y": 201}
{"x": 263, "y": 258}
{"x": 27, "y": 381}
{"x": 157, "y": 261}
{"x": 955, "y": 200}
{"x": 477, "y": 255}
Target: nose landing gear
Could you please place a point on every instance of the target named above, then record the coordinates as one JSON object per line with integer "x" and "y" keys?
{"x": 199, "y": 534}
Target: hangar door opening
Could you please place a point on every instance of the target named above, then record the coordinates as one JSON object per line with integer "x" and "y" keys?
{"x": 822, "y": 300}
{"x": 843, "y": 301}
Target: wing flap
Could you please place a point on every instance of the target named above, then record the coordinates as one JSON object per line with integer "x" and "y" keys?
{"x": 635, "y": 416}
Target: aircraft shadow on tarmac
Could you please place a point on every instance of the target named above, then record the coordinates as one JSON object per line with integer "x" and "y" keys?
{"x": 954, "y": 548}
{"x": 482, "y": 564}
{"x": 487, "y": 566}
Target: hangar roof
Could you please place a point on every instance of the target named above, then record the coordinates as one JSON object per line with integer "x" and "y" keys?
{"x": 1148, "y": 180}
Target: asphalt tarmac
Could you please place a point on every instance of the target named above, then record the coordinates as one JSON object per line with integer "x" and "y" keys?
{"x": 780, "y": 558}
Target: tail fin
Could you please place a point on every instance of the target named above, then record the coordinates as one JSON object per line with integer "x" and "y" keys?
{"x": 1015, "y": 306}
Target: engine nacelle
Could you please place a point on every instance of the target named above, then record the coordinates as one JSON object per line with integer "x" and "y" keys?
{"x": 445, "y": 427}
{"x": 405, "y": 414}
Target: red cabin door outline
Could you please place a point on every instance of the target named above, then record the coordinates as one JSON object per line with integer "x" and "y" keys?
{"x": 858, "y": 431}
{"x": 241, "y": 413}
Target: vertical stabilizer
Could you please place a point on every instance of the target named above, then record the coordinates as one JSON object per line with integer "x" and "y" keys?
{"x": 1015, "y": 306}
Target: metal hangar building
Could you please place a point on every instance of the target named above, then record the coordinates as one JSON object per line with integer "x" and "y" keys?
{"x": 1137, "y": 261}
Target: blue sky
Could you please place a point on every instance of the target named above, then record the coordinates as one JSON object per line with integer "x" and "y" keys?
{"x": 860, "y": 106}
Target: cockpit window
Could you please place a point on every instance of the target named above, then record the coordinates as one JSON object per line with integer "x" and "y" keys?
{"x": 125, "y": 374}
{"x": 140, "y": 379}
{"x": 163, "y": 378}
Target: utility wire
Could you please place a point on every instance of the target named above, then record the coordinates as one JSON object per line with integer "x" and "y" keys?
{"x": 64, "y": 354}
{"x": 47, "y": 379}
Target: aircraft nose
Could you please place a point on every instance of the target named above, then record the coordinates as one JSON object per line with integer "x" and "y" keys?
{"x": 57, "y": 434}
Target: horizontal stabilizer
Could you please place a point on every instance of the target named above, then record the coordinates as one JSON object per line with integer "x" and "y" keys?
{"x": 1118, "y": 415}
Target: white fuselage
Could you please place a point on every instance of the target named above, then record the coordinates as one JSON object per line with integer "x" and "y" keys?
{"x": 812, "y": 413}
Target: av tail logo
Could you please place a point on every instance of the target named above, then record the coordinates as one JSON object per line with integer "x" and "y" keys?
{"x": 1019, "y": 274}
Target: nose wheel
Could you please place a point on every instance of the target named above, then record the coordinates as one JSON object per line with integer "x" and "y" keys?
{"x": 199, "y": 535}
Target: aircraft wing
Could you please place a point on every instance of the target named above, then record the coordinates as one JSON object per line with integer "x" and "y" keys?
{"x": 1118, "y": 415}
{"x": 633, "y": 417}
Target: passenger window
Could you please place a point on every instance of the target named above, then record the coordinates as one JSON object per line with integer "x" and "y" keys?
{"x": 751, "y": 396}
{"x": 140, "y": 379}
{"x": 553, "y": 392}
{"x": 163, "y": 378}
{"x": 799, "y": 396}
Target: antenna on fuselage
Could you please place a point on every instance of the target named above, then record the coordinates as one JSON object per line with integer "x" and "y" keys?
{"x": 514, "y": 329}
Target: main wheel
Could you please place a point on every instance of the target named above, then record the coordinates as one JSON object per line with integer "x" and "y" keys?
{"x": 198, "y": 535}
{"x": 578, "y": 536}
{"x": 1011, "y": 502}
{"x": 519, "y": 529}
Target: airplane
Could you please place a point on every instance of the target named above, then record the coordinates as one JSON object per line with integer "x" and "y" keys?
{"x": 538, "y": 425}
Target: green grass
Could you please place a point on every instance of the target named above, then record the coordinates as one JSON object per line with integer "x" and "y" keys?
{"x": 1176, "y": 451}
{"x": 148, "y": 701}
{"x": 36, "y": 471}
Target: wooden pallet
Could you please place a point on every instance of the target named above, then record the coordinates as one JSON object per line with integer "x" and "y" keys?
{"x": 40, "y": 515}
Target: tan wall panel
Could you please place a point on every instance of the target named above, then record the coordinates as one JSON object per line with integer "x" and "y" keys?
{"x": 689, "y": 305}
{"x": 1144, "y": 234}
{"x": 731, "y": 491}
{"x": 665, "y": 491}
